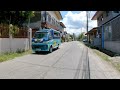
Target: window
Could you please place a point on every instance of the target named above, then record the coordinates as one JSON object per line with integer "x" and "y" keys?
{"x": 49, "y": 18}
{"x": 59, "y": 24}
{"x": 101, "y": 17}
{"x": 50, "y": 36}
{"x": 43, "y": 19}
{"x": 56, "y": 35}
{"x": 108, "y": 32}
{"x": 116, "y": 11}
{"x": 98, "y": 18}
{"x": 53, "y": 21}
{"x": 56, "y": 23}
{"x": 40, "y": 35}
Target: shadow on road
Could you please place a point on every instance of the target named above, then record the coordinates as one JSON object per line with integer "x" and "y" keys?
{"x": 43, "y": 53}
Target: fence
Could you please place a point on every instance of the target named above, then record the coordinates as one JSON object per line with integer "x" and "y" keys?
{"x": 33, "y": 31}
{"x": 21, "y": 40}
{"x": 23, "y": 33}
{"x": 4, "y": 32}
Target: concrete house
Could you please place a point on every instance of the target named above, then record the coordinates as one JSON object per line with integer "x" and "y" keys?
{"x": 109, "y": 28}
{"x": 94, "y": 37}
{"x": 62, "y": 31}
{"x": 51, "y": 19}
{"x": 46, "y": 19}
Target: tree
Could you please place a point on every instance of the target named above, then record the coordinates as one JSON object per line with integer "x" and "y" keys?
{"x": 81, "y": 36}
{"x": 13, "y": 30}
{"x": 15, "y": 17}
{"x": 71, "y": 36}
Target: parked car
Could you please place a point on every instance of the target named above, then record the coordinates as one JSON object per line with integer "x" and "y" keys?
{"x": 84, "y": 40}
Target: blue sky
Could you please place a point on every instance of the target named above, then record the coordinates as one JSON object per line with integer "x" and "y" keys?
{"x": 75, "y": 21}
{"x": 63, "y": 13}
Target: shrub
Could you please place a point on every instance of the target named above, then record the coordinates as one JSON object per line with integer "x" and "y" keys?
{"x": 13, "y": 30}
{"x": 20, "y": 50}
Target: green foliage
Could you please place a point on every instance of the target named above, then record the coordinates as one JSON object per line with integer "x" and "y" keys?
{"x": 71, "y": 36}
{"x": 20, "y": 51}
{"x": 15, "y": 17}
{"x": 81, "y": 36}
{"x": 11, "y": 55}
{"x": 36, "y": 17}
{"x": 102, "y": 55}
{"x": 28, "y": 14}
{"x": 13, "y": 29}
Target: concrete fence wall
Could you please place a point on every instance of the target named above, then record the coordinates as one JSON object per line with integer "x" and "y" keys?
{"x": 14, "y": 44}
{"x": 112, "y": 46}
{"x": 7, "y": 44}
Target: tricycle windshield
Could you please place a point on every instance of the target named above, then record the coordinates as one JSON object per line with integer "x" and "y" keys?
{"x": 40, "y": 35}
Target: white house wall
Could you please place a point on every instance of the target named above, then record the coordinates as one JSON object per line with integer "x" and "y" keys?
{"x": 53, "y": 14}
{"x": 112, "y": 46}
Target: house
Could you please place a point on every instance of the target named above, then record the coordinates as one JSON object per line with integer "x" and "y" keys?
{"x": 94, "y": 37}
{"x": 46, "y": 19}
{"x": 62, "y": 26}
{"x": 62, "y": 31}
{"x": 68, "y": 37}
{"x": 109, "y": 27}
{"x": 51, "y": 19}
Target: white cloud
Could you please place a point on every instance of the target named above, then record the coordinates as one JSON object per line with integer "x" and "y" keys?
{"x": 76, "y": 22}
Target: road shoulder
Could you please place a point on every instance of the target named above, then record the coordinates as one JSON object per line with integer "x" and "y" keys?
{"x": 101, "y": 69}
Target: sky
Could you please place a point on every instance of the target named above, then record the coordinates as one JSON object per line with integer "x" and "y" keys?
{"x": 75, "y": 21}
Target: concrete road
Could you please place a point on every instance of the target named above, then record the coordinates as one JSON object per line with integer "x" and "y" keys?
{"x": 72, "y": 61}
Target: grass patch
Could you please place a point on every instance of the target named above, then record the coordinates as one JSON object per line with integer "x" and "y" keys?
{"x": 112, "y": 60}
{"x": 102, "y": 55}
{"x": 99, "y": 53}
{"x": 116, "y": 65}
{"x": 8, "y": 56}
{"x": 106, "y": 55}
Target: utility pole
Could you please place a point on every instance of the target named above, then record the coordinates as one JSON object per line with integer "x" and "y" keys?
{"x": 87, "y": 24}
{"x": 29, "y": 32}
{"x": 45, "y": 19}
{"x": 74, "y": 38}
{"x": 45, "y": 16}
